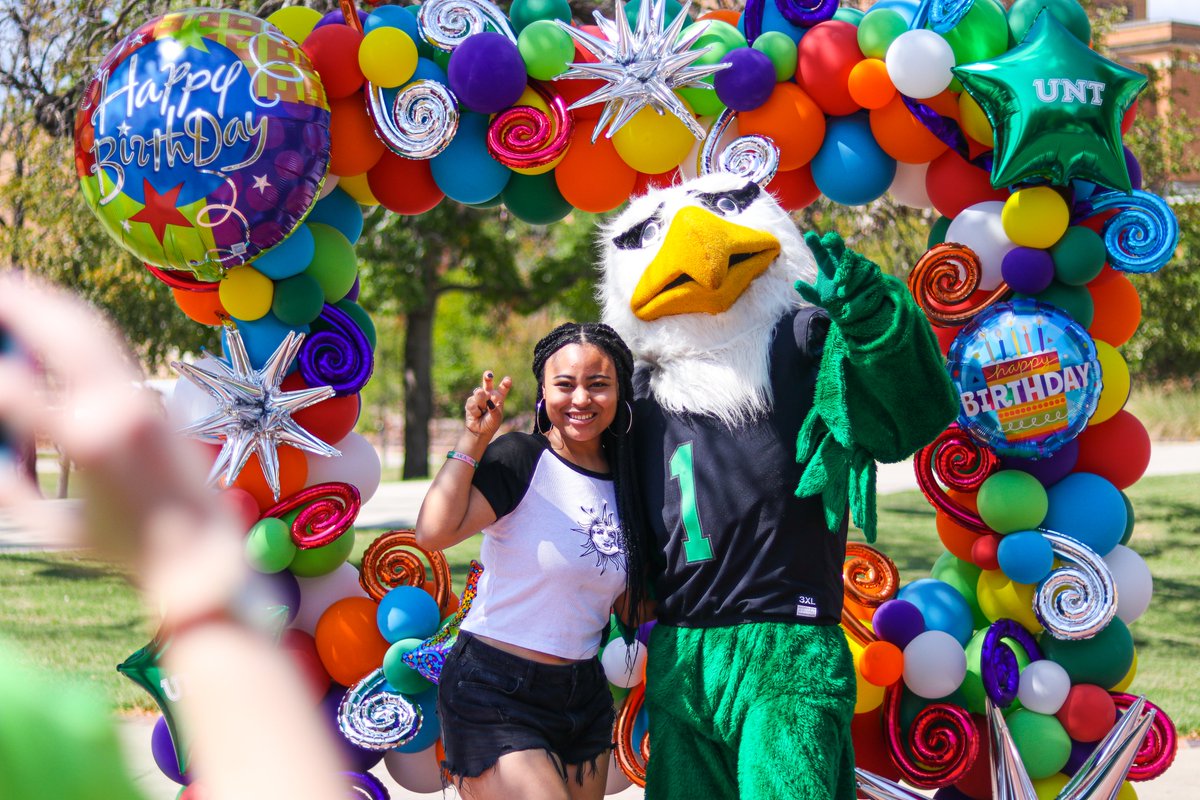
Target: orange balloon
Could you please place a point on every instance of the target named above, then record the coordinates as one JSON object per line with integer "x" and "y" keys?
{"x": 968, "y": 500}
{"x": 903, "y": 137}
{"x": 792, "y": 120}
{"x": 955, "y": 538}
{"x": 593, "y": 177}
{"x": 349, "y": 641}
{"x": 722, "y": 15}
{"x": 1118, "y": 307}
{"x": 293, "y": 472}
{"x": 202, "y": 307}
{"x": 870, "y": 85}
{"x": 353, "y": 146}
{"x": 882, "y": 663}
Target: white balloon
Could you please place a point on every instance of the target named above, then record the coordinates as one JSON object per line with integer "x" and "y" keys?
{"x": 919, "y": 63}
{"x": 331, "y": 182}
{"x": 188, "y": 402}
{"x": 979, "y": 228}
{"x": 908, "y": 187}
{"x": 934, "y": 664}
{"x": 358, "y": 466}
{"x": 1044, "y": 687}
{"x": 318, "y": 594}
{"x": 1135, "y": 584}
{"x": 416, "y": 772}
{"x": 622, "y": 671}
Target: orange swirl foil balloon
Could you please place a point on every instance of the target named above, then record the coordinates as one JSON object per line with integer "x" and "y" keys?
{"x": 943, "y": 282}
{"x": 632, "y": 756}
{"x": 390, "y": 561}
{"x": 869, "y": 578}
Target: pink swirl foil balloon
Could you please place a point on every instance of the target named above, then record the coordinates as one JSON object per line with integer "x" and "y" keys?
{"x": 943, "y": 738}
{"x": 523, "y": 137}
{"x": 327, "y": 510}
{"x": 958, "y": 461}
{"x": 1158, "y": 751}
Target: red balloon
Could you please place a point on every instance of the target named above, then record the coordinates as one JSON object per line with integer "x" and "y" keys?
{"x": 870, "y": 746}
{"x": 945, "y": 337}
{"x": 333, "y": 50}
{"x": 953, "y": 184}
{"x": 242, "y": 505}
{"x": 984, "y": 551}
{"x": 828, "y": 52}
{"x": 1088, "y": 713}
{"x": 329, "y": 420}
{"x": 572, "y": 90}
{"x": 647, "y": 183}
{"x": 795, "y": 188}
{"x": 301, "y": 648}
{"x": 404, "y": 185}
{"x": 1117, "y": 450}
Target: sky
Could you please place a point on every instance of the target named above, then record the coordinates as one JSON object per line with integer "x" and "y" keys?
{"x": 1181, "y": 10}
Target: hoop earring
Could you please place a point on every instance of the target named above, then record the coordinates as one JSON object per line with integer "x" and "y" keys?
{"x": 629, "y": 426}
{"x": 537, "y": 419}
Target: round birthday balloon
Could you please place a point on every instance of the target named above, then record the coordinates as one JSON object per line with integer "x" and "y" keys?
{"x": 1027, "y": 378}
{"x": 202, "y": 140}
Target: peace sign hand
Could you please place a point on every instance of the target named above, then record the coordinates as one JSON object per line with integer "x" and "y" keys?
{"x": 485, "y": 406}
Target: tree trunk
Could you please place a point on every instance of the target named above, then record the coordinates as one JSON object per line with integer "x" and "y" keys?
{"x": 418, "y": 391}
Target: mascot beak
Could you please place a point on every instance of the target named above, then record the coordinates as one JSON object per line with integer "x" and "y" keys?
{"x": 704, "y": 264}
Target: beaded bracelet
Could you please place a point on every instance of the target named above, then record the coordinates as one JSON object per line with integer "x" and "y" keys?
{"x": 463, "y": 457}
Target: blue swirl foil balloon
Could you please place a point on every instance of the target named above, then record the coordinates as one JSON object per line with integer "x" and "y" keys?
{"x": 202, "y": 140}
{"x": 337, "y": 353}
{"x": 376, "y": 717}
{"x": 941, "y": 15}
{"x": 1027, "y": 377}
{"x": 1142, "y": 237}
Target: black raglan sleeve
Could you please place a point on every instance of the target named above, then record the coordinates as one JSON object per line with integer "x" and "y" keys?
{"x": 506, "y": 469}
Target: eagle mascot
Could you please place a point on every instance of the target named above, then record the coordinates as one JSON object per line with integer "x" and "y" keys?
{"x": 773, "y": 372}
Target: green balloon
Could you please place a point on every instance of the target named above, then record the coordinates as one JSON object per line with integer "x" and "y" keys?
{"x": 851, "y": 15}
{"x": 980, "y": 35}
{"x": 403, "y": 678}
{"x": 619, "y": 693}
{"x": 1041, "y": 740}
{"x": 1078, "y": 256}
{"x": 721, "y": 34}
{"x": 298, "y": 299}
{"x": 1075, "y": 300}
{"x": 269, "y": 546}
{"x": 878, "y": 30}
{"x": 782, "y": 50}
{"x": 361, "y": 317}
{"x": 535, "y": 199}
{"x": 1069, "y": 13}
{"x": 972, "y": 686}
{"x": 964, "y": 577}
{"x": 705, "y": 101}
{"x": 1103, "y": 659}
{"x": 524, "y": 13}
{"x": 546, "y": 49}
{"x": 334, "y": 264}
{"x": 318, "y": 561}
{"x": 937, "y": 234}
{"x": 1011, "y": 500}
{"x": 1128, "y": 534}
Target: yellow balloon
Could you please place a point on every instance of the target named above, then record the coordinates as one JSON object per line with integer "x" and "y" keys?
{"x": 246, "y": 293}
{"x": 531, "y": 98}
{"x": 999, "y": 598}
{"x": 1035, "y": 217}
{"x": 387, "y": 57}
{"x": 1115, "y": 374}
{"x": 357, "y": 187}
{"x": 974, "y": 121}
{"x": 1127, "y": 792}
{"x": 296, "y": 22}
{"x": 1124, "y": 684}
{"x": 1048, "y": 788}
{"x": 653, "y": 143}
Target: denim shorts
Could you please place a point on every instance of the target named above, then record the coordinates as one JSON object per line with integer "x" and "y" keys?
{"x": 491, "y": 702}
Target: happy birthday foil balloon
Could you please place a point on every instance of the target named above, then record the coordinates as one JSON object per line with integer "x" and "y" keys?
{"x": 1027, "y": 378}
{"x": 202, "y": 140}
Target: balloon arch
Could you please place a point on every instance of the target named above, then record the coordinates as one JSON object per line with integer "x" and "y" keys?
{"x": 233, "y": 155}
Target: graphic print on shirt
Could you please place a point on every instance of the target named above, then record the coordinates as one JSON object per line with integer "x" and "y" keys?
{"x": 603, "y": 538}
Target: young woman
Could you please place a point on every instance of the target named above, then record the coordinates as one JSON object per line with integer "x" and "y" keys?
{"x": 524, "y": 703}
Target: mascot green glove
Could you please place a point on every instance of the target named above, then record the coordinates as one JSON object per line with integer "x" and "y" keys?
{"x": 773, "y": 374}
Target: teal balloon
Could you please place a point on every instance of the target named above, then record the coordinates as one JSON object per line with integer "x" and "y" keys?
{"x": 1041, "y": 740}
{"x": 403, "y": 678}
{"x": 1079, "y": 256}
{"x": 1076, "y": 301}
{"x": 269, "y": 546}
{"x": 1129, "y": 520}
{"x": 431, "y": 724}
{"x": 535, "y": 199}
{"x": 1103, "y": 659}
{"x": 146, "y": 669}
{"x": 262, "y": 336}
{"x": 362, "y": 318}
{"x": 524, "y": 13}
{"x": 1012, "y": 500}
{"x": 847, "y": 14}
{"x": 298, "y": 300}
{"x": 782, "y": 51}
{"x": 671, "y": 10}
{"x": 334, "y": 265}
{"x": 1024, "y": 13}
{"x": 1056, "y": 108}
{"x": 339, "y": 210}
{"x": 878, "y": 29}
{"x": 289, "y": 257}
{"x": 937, "y": 233}
{"x": 465, "y": 170}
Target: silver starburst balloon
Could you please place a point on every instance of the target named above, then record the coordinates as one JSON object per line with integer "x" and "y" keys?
{"x": 253, "y": 415}
{"x": 640, "y": 67}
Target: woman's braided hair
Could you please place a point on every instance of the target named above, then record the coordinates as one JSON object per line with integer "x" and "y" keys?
{"x": 615, "y": 439}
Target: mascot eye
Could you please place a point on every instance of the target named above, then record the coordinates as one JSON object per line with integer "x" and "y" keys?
{"x": 726, "y": 206}
{"x": 639, "y": 235}
{"x": 731, "y": 202}
{"x": 650, "y": 232}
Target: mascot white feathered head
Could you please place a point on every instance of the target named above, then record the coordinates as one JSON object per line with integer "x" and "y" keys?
{"x": 695, "y": 278}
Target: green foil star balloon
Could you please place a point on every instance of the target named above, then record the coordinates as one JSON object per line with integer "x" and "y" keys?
{"x": 1056, "y": 107}
{"x": 145, "y": 668}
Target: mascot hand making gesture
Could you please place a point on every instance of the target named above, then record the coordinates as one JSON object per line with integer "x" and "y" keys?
{"x": 773, "y": 373}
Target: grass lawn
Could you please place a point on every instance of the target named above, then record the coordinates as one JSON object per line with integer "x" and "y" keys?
{"x": 78, "y": 618}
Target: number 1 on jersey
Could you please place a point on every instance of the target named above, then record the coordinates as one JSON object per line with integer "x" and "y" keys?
{"x": 695, "y": 544}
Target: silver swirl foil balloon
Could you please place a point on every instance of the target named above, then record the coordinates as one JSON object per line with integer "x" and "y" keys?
{"x": 1142, "y": 237}
{"x": 375, "y": 718}
{"x": 941, "y": 15}
{"x": 1077, "y": 600}
{"x": 421, "y": 122}
{"x": 877, "y": 787}
{"x": 446, "y": 24}
{"x": 754, "y": 157}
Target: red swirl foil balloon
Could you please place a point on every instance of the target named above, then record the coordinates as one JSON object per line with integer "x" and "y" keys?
{"x": 178, "y": 279}
{"x": 960, "y": 462}
{"x": 632, "y": 756}
{"x": 869, "y": 578}
{"x": 943, "y": 282}
{"x": 943, "y": 738}
{"x": 1158, "y": 751}
{"x": 327, "y": 510}
{"x": 523, "y": 137}
{"x": 395, "y": 559}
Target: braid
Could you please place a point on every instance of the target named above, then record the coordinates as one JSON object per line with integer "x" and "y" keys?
{"x": 618, "y": 444}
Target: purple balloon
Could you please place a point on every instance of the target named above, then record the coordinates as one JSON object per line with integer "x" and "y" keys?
{"x": 747, "y": 82}
{"x": 1049, "y": 470}
{"x": 357, "y": 759}
{"x": 643, "y": 631}
{"x": 898, "y": 622}
{"x": 163, "y": 750}
{"x": 1135, "y": 169}
{"x": 336, "y": 17}
{"x": 365, "y": 786}
{"x": 1027, "y": 270}
{"x": 487, "y": 73}
{"x": 287, "y": 590}
{"x": 1079, "y": 754}
{"x": 352, "y": 295}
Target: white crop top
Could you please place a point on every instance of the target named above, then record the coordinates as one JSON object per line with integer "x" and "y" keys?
{"x": 554, "y": 560}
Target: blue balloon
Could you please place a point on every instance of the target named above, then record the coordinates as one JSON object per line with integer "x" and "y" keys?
{"x": 943, "y": 608}
{"x": 407, "y": 612}
{"x": 262, "y": 337}
{"x": 291, "y": 257}
{"x": 431, "y": 724}
{"x": 773, "y": 20}
{"x": 465, "y": 170}
{"x": 392, "y": 17}
{"x": 851, "y": 168}
{"x": 1025, "y": 556}
{"x": 1089, "y": 508}
{"x": 339, "y": 210}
